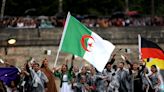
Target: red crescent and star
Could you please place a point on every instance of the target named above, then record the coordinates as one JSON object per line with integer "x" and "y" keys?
{"x": 83, "y": 42}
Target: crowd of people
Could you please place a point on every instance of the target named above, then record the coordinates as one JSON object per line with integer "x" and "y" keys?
{"x": 132, "y": 77}
{"x": 90, "y": 21}
{"x": 31, "y": 22}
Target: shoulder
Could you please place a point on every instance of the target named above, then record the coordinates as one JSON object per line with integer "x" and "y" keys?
{"x": 42, "y": 73}
{"x": 104, "y": 70}
{"x": 158, "y": 75}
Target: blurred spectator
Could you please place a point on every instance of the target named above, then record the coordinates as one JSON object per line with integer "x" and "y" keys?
{"x": 103, "y": 22}
{"x": 45, "y": 24}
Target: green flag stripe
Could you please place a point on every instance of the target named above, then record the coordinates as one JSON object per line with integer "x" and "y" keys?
{"x": 74, "y": 32}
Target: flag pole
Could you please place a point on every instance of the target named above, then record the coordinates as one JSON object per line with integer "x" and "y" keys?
{"x": 139, "y": 46}
{"x": 57, "y": 56}
{"x": 61, "y": 41}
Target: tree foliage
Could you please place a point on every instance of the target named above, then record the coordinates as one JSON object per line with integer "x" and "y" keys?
{"x": 92, "y": 7}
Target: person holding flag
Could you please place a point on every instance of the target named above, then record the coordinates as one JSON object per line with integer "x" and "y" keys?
{"x": 136, "y": 71}
{"x": 151, "y": 52}
{"x": 77, "y": 39}
{"x": 66, "y": 76}
{"x": 154, "y": 56}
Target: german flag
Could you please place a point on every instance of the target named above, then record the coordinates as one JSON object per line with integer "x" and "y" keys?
{"x": 150, "y": 50}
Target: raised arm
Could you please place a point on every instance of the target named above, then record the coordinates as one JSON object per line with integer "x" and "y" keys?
{"x": 56, "y": 72}
{"x": 72, "y": 63}
{"x": 113, "y": 59}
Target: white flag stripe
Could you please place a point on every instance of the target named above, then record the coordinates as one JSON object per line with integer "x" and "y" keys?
{"x": 100, "y": 52}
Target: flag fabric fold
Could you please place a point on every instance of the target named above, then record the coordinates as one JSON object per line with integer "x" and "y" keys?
{"x": 77, "y": 39}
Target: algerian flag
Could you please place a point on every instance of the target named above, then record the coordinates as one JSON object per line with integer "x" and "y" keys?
{"x": 81, "y": 41}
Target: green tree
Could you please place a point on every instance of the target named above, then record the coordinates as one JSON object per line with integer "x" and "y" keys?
{"x": 41, "y": 7}
{"x": 92, "y": 7}
{"x": 98, "y": 7}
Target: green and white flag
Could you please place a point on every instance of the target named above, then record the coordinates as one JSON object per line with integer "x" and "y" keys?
{"x": 81, "y": 41}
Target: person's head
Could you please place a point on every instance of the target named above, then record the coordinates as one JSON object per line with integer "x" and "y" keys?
{"x": 87, "y": 67}
{"x": 93, "y": 70}
{"x": 32, "y": 62}
{"x": 154, "y": 69}
{"x": 108, "y": 66}
{"x": 83, "y": 70}
{"x": 75, "y": 68}
{"x": 23, "y": 68}
{"x": 64, "y": 68}
{"x": 135, "y": 66}
{"x": 44, "y": 63}
{"x": 36, "y": 67}
{"x": 121, "y": 65}
{"x": 83, "y": 79}
{"x": 22, "y": 71}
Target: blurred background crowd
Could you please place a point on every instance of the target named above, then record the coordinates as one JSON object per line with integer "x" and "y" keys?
{"x": 117, "y": 20}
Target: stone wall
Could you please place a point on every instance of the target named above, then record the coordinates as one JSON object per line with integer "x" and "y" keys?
{"x": 51, "y": 37}
{"x": 35, "y": 42}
